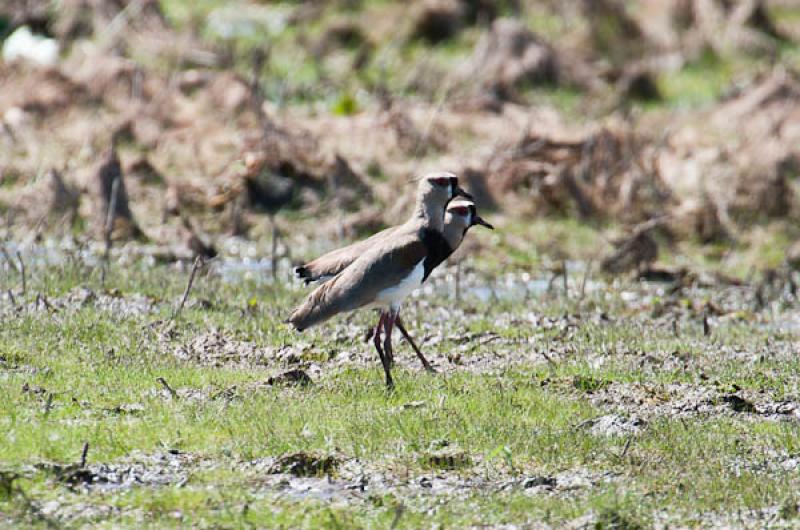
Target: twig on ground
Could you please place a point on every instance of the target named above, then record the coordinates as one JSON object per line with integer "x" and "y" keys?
{"x": 42, "y": 299}
{"x": 84, "y": 452}
{"x": 564, "y": 276}
{"x": 110, "y": 214}
{"x": 627, "y": 446}
{"x": 547, "y": 357}
{"x": 8, "y": 259}
{"x": 458, "y": 283}
{"x": 49, "y": 405}
{"x": 585, "y": 279}
{"x": 551, "y": 281}
{"x": 22, "y": 272}
{"x": 169, "y": 388}
{"x": 274, "y": 250}
{"x": 198, "y": 263}
{"x": 11, "y": 297}
{"x": 398, "y": 514}
{"x": 584, "y": 423}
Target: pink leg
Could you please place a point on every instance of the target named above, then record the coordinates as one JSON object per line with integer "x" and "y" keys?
{"x": 388, "y": 326}
{"x": 405, "y": 333}
{"x": 382, "y": 321}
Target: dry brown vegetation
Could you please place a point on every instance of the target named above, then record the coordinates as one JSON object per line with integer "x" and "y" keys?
{"x": 197, "y": 138}
{"x": 621, "y": 352}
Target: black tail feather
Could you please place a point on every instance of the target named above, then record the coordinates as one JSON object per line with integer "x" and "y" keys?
{"x": 303, "y": 273}
{"x": 295, "y": 326}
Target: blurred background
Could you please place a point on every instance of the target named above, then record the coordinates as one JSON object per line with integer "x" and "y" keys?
{"x": 651, "y": 136}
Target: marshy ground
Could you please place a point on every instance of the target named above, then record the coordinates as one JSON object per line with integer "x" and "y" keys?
{"x": 621, "y": 352}
{"x": 618, "y": 402}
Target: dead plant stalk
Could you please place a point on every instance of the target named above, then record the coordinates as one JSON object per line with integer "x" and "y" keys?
{"x": 110, "y": 214}
{"x": 22, "y": 272}
{"x": 198, "y": 263}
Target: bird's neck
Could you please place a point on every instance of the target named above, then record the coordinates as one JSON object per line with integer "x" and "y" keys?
{"x": 430, "y": 215}
{"x": 453, "y": 234}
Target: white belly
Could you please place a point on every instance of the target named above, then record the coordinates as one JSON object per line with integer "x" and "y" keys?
{"x": 394, "y": 296}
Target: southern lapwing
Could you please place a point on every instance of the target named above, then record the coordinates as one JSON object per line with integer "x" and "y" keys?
{"x": 332, "y": 263}
{"x": 393, "y": 266}
{"x": 460, "y": 216}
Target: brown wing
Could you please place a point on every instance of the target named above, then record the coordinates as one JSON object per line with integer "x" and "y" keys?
{"x": 335, "y": 261}
{"x": 381, "y": 267}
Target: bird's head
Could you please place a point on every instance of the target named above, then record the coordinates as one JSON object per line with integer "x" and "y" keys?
{"x": 461, "y": 214}
{"x": 440, "y": 188}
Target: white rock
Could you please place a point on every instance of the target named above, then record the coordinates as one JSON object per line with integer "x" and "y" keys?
{"x": 15, "y": 117}
{"x": 24, "y": 45}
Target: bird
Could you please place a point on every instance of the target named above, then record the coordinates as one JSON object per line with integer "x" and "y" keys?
{"x": 389, "y": 269}
{"x": 460, "y": 216}
{"x": 332, "y": 263}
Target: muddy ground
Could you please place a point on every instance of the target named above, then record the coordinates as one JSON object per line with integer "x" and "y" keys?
{"x": 651, "y": 403}
{"x": 621, "y": 352}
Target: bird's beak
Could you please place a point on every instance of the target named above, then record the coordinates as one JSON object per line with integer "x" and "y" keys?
{"x": 459, "y": 192}
{"x": 480, "y": 221}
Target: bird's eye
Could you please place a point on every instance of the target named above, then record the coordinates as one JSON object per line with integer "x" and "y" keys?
{"x": 441, "y": 181}
{"x": 460, "y": 210}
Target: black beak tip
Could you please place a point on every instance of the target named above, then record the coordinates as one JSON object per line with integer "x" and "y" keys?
{"x": 460, "y": 192}
{"x": 482, "y": 222}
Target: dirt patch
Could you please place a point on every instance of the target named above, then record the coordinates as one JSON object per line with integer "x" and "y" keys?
{"x": 360, "y": 481}
{"x": 156, "y": 469}
{"x": 614, "y": 425}
{"x": 39, "y": 91}
{"x": 444, "y": 456}
{"x": 743, "y": 518}
{"x": 112, "y": 301}
{"x": 770, "y": 462}
{"x": 290, "y": 377}
{"x": 306, "y": 464}
{"x": 215, "y": 348}
{"x": 312, "y": 475}
{"x": 674, "y": 400}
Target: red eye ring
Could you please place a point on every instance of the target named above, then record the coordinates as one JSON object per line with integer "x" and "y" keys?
{"x": 441, "y": 181}
{"x": 459, "y": 210}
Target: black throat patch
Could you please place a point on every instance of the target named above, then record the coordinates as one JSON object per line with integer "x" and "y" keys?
{"x": 438, "y": 250}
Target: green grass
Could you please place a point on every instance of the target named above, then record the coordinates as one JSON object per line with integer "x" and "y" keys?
{"x": 518, "y": 421}
{"x": 564, "y": 99}
{"x": 293, "y": 77}
{"x": 523, "y": 377}
{"x": 698, "y": 83}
